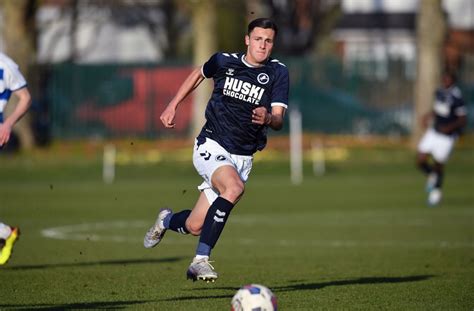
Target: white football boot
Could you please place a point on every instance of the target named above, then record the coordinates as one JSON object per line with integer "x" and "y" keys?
{"x": 157, "y": 231}
{"x": 434, "y": 197}
{"x": 201, "y": 269}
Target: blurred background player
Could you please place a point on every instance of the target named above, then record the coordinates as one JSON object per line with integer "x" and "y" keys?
{"x": 448, "y": 118}
{"x": 11, "y": 82}
{"x": 8, "y": 237}
{"x": 250, "y": 94}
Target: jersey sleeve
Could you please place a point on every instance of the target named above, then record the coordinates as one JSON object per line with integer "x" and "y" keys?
{"x": 14, "y": 80}
{"x": 281, "y": 88}
{"x": 459, "y": 108}
{"x": 209, "y": 69}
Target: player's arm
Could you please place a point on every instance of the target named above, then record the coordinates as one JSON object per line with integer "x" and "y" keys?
{"x": 192, "y": 81}
{"x": 274, "y": 119}
{"x": 24, "y": 102}
{"x": 426, "y": 119}
{"x": 458, "y": 124}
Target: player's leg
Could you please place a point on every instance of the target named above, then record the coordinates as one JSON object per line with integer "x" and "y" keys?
{"x": 423, "y": 163}
{"x": 438, "y": 168}
{"x": 228, "y": 183}
{"x": 196, "y": 219}
{"x": 425, "y": 150}
{"x": 224, "y": 176}
{"x": 230, "y": 186}
{"x": 177, "y": 221}
{"x": 184, "y": 222}
{"x": 8, "y": 237}
{"x": 441, "y": 152}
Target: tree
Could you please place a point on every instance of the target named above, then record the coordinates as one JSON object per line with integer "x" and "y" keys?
{"x": 431, "y": 31}
{"x": 205, "y": 43}
{"x": 19, "y": 40}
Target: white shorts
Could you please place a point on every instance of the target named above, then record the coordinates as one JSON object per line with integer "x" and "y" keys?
{"x": 209, "y": 156}
{"x": 436, "y": 144}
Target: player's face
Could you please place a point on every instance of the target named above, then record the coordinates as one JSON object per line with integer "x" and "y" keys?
{"x": 447, "y": 81}
{"x": 259, "y": 45}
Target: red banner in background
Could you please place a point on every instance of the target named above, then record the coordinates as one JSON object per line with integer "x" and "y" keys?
{"x": 152, "y": 90}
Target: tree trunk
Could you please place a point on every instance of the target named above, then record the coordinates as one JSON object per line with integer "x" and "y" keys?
{"x": 431, "y": 30}
{"x": 18, "y": 35}
{"x": 204, "y": 45}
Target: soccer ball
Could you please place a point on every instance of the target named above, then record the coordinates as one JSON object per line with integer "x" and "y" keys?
{"x": 254, "y": 297}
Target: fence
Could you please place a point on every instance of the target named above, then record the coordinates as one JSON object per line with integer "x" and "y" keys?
{"x": 115, "y": 100}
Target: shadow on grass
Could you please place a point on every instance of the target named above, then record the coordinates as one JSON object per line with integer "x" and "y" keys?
{"x": 310, "y": 286}
{"x": 95, "y": 263}
{"x": 359, "y": 281}
{"x": 106, "y": 305}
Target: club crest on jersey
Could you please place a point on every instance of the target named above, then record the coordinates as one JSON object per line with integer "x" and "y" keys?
{"x": 263, "y": 78}
{"x": 245, "y": 91}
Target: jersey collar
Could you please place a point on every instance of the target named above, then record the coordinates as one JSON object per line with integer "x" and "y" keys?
{"x": 246, "y": 63}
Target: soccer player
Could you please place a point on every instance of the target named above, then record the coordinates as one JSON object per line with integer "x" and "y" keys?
{"x": 11, "y": 82}
{"x": 250, "y": 95}
{"x": 8, "y": 237}
{"x": 449, "y": 119}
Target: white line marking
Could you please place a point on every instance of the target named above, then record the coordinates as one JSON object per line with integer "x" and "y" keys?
{"x": 121, "y": 234}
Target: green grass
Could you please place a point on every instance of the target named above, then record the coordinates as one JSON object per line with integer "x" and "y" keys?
{"x": 358, "y": 238}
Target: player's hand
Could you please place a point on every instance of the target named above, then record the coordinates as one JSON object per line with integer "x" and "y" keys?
{"x": 5, "y": 132}
{"x": 167, "y": 117}
{"x": 446, "y": 129}
{"x": 426, "y": 120}
{"x": 261, "y": 116}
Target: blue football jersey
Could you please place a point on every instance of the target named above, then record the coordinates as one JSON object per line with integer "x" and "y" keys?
{"x": 239, "y": 88}
{"x": 448, "y": 106}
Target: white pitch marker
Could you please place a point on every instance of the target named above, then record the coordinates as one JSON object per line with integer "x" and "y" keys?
{"x": 108, "y": 167}
{"x": 296, "y": 146}
{"x": 317, "y": 157}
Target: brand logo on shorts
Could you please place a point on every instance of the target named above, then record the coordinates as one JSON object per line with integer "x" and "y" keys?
{"x": 220, "y": 158}
{"x": 263, "y": 78}
{"x": 206, "y": 155}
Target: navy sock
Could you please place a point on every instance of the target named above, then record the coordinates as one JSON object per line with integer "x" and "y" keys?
{"x": 439, "y": 179}
{"x": 177, "y": 222}
{"x": 203, "y": 249}
{"x": 426, "y": 168}
{"x": 213, "y": 225}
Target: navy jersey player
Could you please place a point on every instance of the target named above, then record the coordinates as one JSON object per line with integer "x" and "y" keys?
{"x": 250, "y": 95}
{"x": 11, "y": 82}
{"x": 448, "y": 118}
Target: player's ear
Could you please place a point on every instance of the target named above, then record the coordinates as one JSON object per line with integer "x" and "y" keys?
{"x": 247, "y": 40}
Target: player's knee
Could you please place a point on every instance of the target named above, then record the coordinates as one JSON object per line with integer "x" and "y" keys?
{"x": 194, "y": 228}
{"x": 421, "y": 160}
{"x": 234, "y": 192}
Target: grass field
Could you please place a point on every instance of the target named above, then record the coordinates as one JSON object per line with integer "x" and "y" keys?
{"x": 359, "y": 238}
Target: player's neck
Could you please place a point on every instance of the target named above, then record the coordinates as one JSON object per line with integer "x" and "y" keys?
{"x": 252, "y": 62}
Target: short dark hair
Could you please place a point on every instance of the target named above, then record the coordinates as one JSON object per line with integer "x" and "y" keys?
{"x": 262, "y": 22}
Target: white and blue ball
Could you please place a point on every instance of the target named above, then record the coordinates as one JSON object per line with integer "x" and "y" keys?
{"x": 254, "y": 297}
